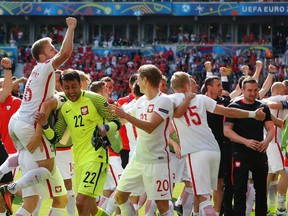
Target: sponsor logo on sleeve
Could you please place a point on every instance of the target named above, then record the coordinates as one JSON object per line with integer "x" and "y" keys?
{"x": 163, "y": 110}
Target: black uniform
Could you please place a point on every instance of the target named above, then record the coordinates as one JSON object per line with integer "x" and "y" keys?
{"x": 245, "y": 159}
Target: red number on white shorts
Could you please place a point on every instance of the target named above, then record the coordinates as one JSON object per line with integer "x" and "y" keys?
{"x": 162, "y": 185}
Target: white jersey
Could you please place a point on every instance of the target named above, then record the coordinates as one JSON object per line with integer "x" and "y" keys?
{"x": 279, "y": 113}
{"x": 192, "y": 128}
{"x": 153, "y": 148}
{"x": 40, "y": 86}
{"x": 131, "y": 129}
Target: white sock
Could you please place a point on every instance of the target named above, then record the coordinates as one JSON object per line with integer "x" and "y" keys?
{"x": 206, "y": 209}
{"x": 127, "y": 209}
{"x": 250, "y": 199}
{"x": 195, "y": 213}
{"x": 71, "y": 205}
{"x": 217, "y": 213}
{"x": 32, "y": 177}
{"x": 188, "y": 201}
{"x": 103, "y": 202}
{"x": 3, "y": 213}
{"x": 10, "y": 163}
{"x": 22, "y": 212}
{"x": 56, "y": 211}
{"x": 168, "y": 213}
{"x": 37, "y": 209}
{"x": 142, "y": 200}
{"x": 112, "y": 205}
{"x": 150, "y": 208}
{"x": 272, "y": 193}
{"x": 281, "y": 202}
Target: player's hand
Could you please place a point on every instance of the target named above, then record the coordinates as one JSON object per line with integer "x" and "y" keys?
{"x": 118, "y": 111}
{"x": 208, "y": 66}
{"x": 253, "y": 144}
{"x": 190, "y": 95}
{"x": 245, "y": 70}
{"x": 102, "y": 131}
{"x": 177, "y": 150}
{"x": 6, "y": 62}
{"x": 259, "y": 64}
{"x": 71, "y": 22}
{"x": 40, "y": 118}
{"x": 223, "y": 71}
{"x": 263, "y": 146}
{"x": 35, "y": 142}
{"x": 260, "y": 115}
{"x": 272, "y": 68}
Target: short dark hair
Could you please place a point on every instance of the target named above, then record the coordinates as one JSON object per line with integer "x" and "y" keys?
{"x": 248, "y": 80}
{"x": 136, "y": 90}
{"x": 241, "y": 80}
{"x": 69, "y": 75}
{"x": 209, "y": 80}
{"x": 133, "y": 78}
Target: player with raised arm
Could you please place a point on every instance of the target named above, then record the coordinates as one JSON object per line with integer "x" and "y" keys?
{"x": 36, "y": 157}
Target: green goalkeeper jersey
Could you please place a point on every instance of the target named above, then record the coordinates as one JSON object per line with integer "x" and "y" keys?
{"x": 81, "y": 117}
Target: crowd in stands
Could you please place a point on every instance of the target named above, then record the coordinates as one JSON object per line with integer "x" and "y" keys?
{"x": 120, "y": 65}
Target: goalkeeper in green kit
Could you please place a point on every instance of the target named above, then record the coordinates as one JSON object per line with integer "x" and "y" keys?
{"x": 83, "y": 111}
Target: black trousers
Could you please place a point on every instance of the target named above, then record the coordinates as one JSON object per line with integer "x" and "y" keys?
{"x": 258, "y": 165}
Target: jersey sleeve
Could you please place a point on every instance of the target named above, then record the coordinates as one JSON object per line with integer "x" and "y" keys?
{"x": 164, "y": 107}
{"x": 60, "y": 98}
{"x": 210, "y": 104}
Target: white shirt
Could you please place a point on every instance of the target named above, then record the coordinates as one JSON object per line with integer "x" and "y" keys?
{"x": 40, "y": 86}
{"x": 153, "y": 148}
{"x": 281, "y": 113}
{"x": 192, "y": 128}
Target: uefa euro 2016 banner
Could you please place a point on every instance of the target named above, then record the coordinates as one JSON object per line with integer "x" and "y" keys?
{"x": 143, "y": 9}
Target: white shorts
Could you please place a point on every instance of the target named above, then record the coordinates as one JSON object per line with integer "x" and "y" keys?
{"x": 179, "y": 169}
{"x": 275, "y": 158}
{"x": 21, "y": 132}
{"x": 132, "y": 146}
{"x": 203, "y": 167}
{"x": 64, "y": 162}
{"x": 155, "y": 179}
{"x": 114, "y": 173}
{"x": 52, "y": 187}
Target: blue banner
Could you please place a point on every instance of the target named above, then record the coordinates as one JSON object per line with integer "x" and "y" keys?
{"x": 230, "y": 9}
{"x": 85, "y": 9}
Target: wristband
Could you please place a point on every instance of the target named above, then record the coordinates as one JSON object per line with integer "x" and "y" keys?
{"x": 46, "y": 126}
{"x": 7, "y": 68}
{"x": 284, "y": 104}
{"x": 209, "y": 74}
{"x": 224, "y": 78}
{"x": 252, "y": 114}
{"x": 107, "y": 128}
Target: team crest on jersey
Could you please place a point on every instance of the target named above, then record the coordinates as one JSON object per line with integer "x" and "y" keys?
{"x": 84, "y": 110}
{"x": 150, "y": 108}
{"x": 238, "y": 164}
{"x": 8, "y": 107}
{"x": 58, "y": 189}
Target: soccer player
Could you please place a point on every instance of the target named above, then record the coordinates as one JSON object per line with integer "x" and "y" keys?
{"x": 151, "y": 115}
{"x": 36, "y": 158}
{"x": 249, "y": 151}
{"x": 197, "y": 140}
{"x": 81, "y": 113}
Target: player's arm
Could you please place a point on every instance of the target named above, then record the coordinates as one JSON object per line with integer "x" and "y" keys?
{"x": 259, "y": 66}
{"x": 233, "y": 136}
{"x": 238, "y": 113}
{"x": 268, "y": 81}
{"x": 277, "y": 121}
{"x": 6, "y": 89}
{"x": 147, "y": 126}
{"x": 269, "y": 126}
{"x": 101, "y": 105}
{"x": 67, "y": 45}
{"x": 182, "y": 108}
